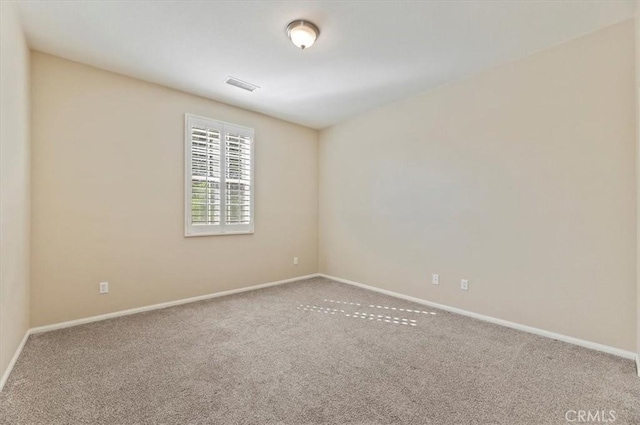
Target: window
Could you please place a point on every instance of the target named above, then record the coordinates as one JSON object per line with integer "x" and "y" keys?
{"x": 219, "y": 177}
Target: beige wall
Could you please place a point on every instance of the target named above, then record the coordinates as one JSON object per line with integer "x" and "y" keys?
{"x": 14, "y": 185}
{"x": 108, "y": 192}
{"x": 637, "y": 52}
{"x": 521, "y": 179}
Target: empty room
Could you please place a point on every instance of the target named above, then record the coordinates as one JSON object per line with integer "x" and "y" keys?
{"x": 319, "y": 212}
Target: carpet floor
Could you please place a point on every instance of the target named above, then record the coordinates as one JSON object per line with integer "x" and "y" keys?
{"x": 311, "y": 352}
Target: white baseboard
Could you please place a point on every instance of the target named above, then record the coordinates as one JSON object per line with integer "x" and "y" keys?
{"x": 638, "y": 364}
{"x": 571, "y": 340}
{"x": 137, "y": 310}
{"x": 14, "y": 359}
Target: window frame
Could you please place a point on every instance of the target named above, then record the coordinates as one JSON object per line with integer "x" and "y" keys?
{"x": 221, "y": 229}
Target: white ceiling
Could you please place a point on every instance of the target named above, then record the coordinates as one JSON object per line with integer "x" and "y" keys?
{"x": 368, "y": 53}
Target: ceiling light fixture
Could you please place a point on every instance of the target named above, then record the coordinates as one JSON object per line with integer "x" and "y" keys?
{"x": 302, "y": 33}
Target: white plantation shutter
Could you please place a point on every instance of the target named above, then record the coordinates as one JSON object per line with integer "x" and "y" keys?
{"x": 238, "y": 178}
{"x": 205, "y": 176}
{"x": 219, "y": 177}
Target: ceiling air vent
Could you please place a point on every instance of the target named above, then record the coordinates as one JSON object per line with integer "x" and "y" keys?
{"x": 232, "y": 81}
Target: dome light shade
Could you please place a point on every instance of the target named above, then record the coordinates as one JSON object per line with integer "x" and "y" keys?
{"x": 302, "y": 33}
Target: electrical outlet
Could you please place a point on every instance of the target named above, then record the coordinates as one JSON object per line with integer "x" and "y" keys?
{"x": 435, "y": 279}
{"x": 295, "y": 261}
{"x": 104, "y": 287}
{"x": 464, "y": 284}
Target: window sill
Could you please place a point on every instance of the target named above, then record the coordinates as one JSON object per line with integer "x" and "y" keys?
{"x": 195, "y": 235}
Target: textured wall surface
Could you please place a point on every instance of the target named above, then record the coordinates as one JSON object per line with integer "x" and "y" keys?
{"x": 108, "y": 191}
{"x": 520, "y": 179}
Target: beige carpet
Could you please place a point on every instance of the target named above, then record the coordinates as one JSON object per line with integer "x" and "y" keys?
{"x": 310, "y": 352}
